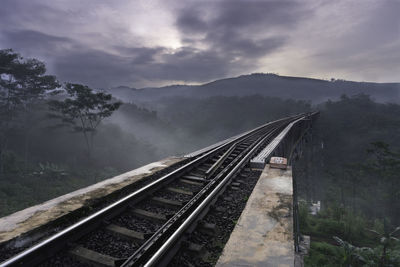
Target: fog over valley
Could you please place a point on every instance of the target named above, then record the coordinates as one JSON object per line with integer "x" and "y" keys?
{"x": 90, "y": 90}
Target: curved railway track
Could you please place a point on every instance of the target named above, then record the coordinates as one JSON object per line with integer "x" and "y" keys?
{"x": 146, "y": 227}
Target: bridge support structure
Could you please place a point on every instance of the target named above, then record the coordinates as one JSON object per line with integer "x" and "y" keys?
{"x": 267, "y": 233}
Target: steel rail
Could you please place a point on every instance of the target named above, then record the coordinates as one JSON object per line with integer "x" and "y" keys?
{"x": 27, "y": 257}
{"x": 209, "y": 198}
{"x": 136, "y": 258}
{"x": 158, "y": 235}
{"x": 218, "y": 163}
{"x": 237, "y": 137}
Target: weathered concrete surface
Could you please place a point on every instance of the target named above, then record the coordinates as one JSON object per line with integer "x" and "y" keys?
{"x": 263, "y": 235}
{"x": 33, "y": 217}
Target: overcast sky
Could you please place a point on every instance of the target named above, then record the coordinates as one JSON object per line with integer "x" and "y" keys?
{"x": 142, "y": 43}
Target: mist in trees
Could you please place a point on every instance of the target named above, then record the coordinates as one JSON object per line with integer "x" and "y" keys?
{"x": 34, "y": 151}
{"x": 352, "y": 165}
{"x": 22, "y": 84}
{"x": 83, "y": 110}
{"x": 67, "y": 135}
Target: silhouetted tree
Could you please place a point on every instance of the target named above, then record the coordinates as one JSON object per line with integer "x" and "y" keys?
{"x": 22, "y": 82}
{"x": 83, "y": 109}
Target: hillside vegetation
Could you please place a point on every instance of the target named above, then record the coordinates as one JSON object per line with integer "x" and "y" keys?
{"x": 272, "y": 85}
{"x": 352, "y": 167}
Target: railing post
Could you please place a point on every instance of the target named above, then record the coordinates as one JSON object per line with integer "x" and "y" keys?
{"x": 296, "y": 225}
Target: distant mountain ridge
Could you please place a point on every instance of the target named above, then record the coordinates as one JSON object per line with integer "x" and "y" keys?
{"x": 299, "y": 88}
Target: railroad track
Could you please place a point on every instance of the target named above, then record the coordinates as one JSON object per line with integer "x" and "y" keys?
{"x": 146, "y": 227}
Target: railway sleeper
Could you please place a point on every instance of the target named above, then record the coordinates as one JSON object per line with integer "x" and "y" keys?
{"x": 194, "y": 249}
{"x": 207, "y": 228}
{"x": 186, "y": 181}
{"x": 214, "y": 159}
{"x": 227, "y": 198}
{"x": 180, "y": 191}
{"x": 195, "y": 178}
{"x": 197, "y": 174}
{"x": 166, "y": 202}
{"x": 92, "y": 257}
{"x": 202, "y": 168}
{"x": 244, "y": 176}
{"x": 150, "y": 215}
{"x": 218, "y": 208}
{"x": 127, "y": 233}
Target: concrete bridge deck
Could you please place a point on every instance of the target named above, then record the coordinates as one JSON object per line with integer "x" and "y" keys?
{"x": 263, "y": 235}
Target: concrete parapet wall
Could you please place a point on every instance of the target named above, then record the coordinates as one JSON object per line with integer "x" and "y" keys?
{"x": 36, "y": 216}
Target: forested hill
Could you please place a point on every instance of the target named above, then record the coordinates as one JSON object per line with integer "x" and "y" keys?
{"x": 267, "y": 85}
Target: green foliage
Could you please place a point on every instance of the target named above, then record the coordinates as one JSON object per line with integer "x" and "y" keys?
{"x": 356, "y": 177}
{"x": 21, "y": 81}
{"x": 350, "y": 255}
{"x": 50, "y": 170}
{"x": 11, "y": 162}
{"x": 329, "y": 227}
{"x": 334, "y": 222}
{"x": 18, "y": 191}
{"x": 383, "y": 255}
{"x": 304, "y": 214}
{"x": 381, "y": 251}
{"x": 39, "y": 161}
{"x": 323, "y": 254}
{"x": 354, "y": 227}
{"x": 84, "y": 108}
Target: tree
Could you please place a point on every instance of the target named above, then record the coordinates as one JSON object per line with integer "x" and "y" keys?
{"x": 22, "y": 82}
{"x": 83, "y": 109}
{"x": 384, "y": 165}
{"x": 351, "y": 255}
{"x": 387, "y": 238}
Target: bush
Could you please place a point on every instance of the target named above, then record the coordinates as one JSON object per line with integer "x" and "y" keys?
{"x": 329, "y": 227}
{"x": 303, "y": 216}
{"x": 12, "y": 163}
{"x": 322, "y": 254}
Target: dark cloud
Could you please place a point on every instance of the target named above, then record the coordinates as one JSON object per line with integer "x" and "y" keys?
{"x": 222, "y": 47}
{"x": 235, "y": 16}
{"x": 34, "y": 43}
{"x": 94, "y": 42}
{"x": 258, "y": 14}
{"x": 239, "y": 32}
{"x": 140, "y": 55}
{"x": 190, "y": 21}
{"x": 189, "y": 64}
{"x": 93, "y": 67}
